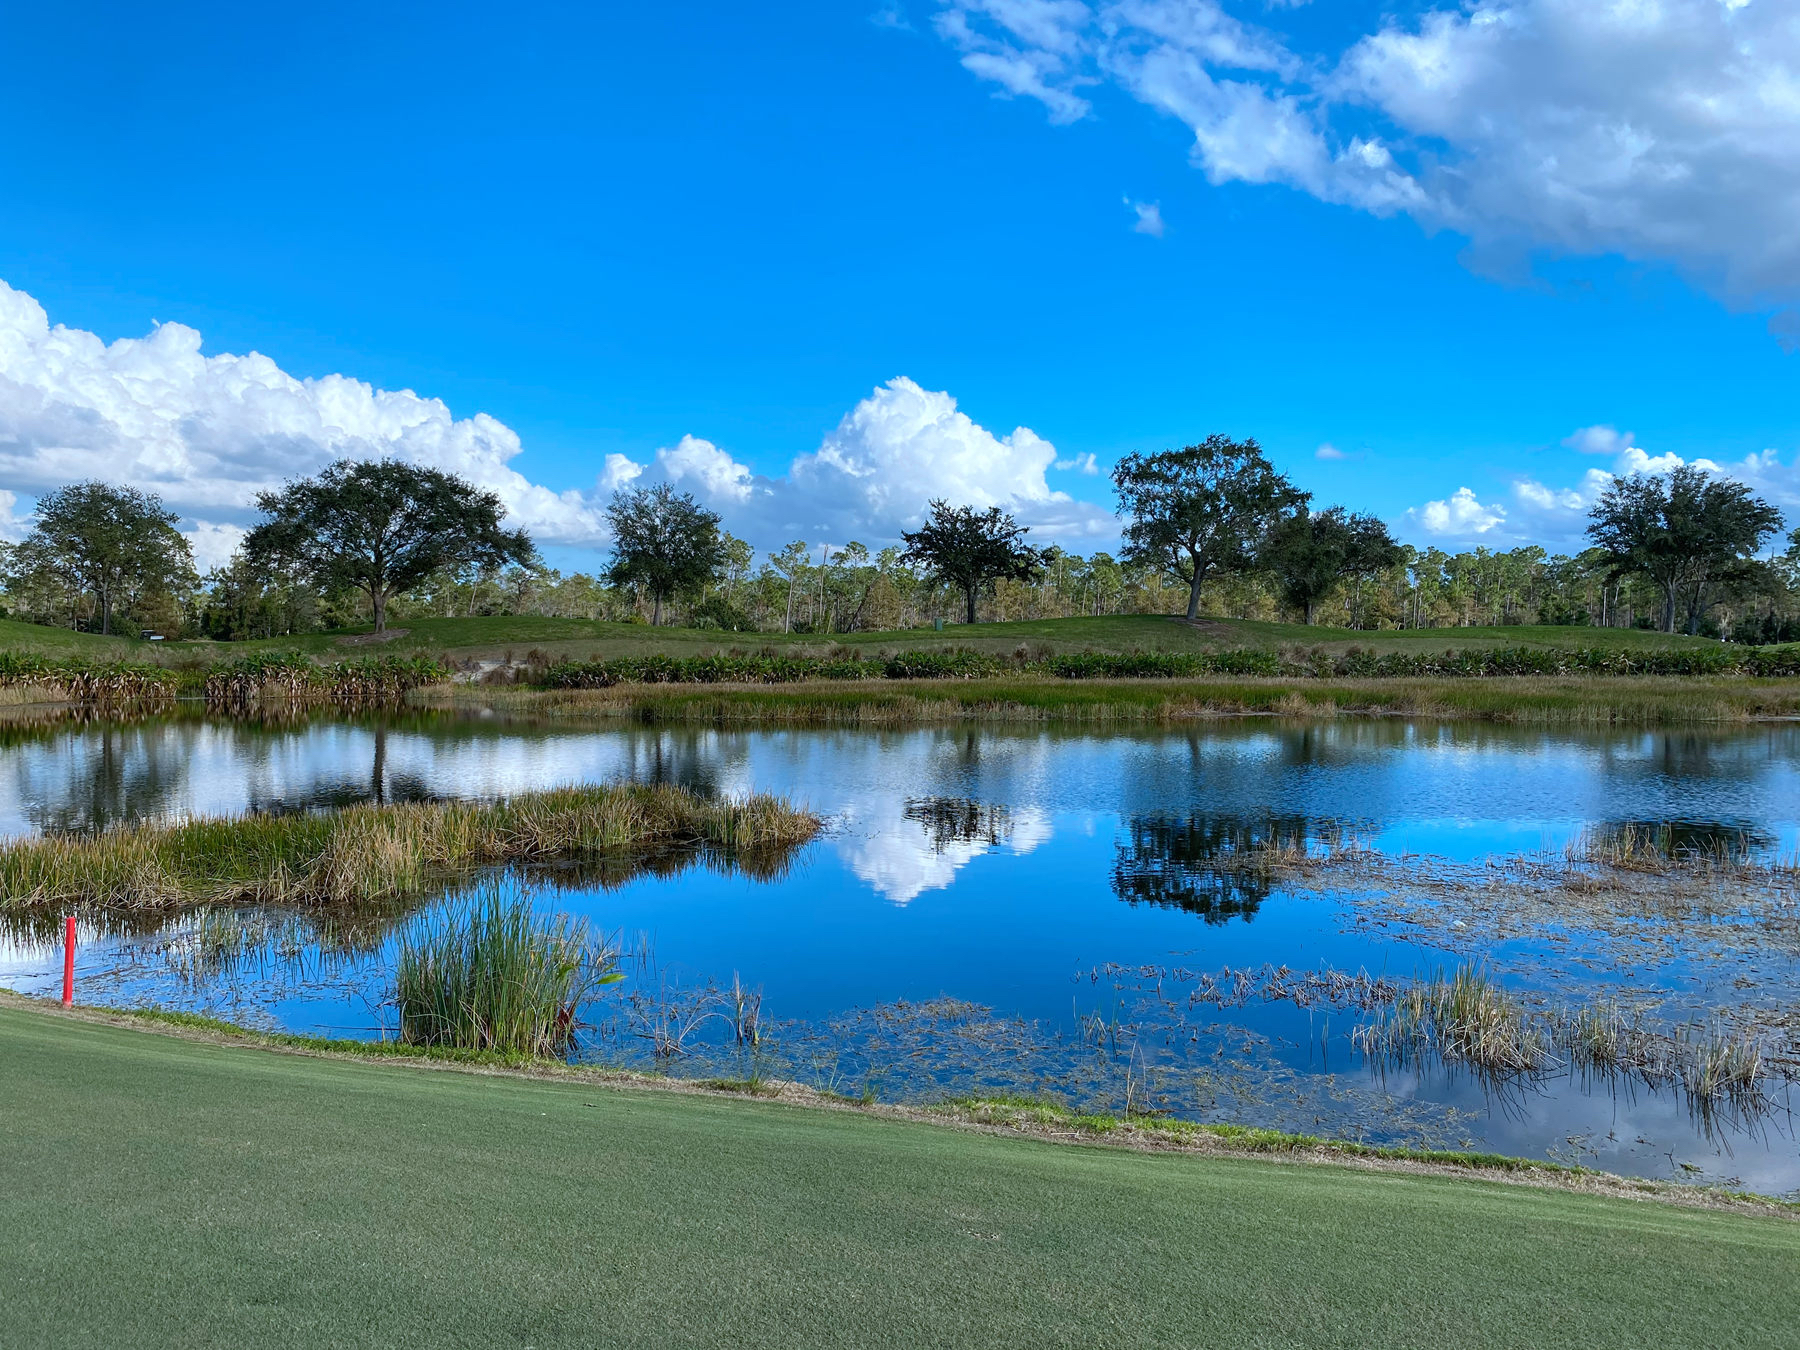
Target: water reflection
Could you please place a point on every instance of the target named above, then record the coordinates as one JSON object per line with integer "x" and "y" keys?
{"x": 1216, "y": 867}
{"x": 967, "y": 874}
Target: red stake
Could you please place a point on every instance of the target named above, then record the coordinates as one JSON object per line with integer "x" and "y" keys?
{"x": 69, "y": 961}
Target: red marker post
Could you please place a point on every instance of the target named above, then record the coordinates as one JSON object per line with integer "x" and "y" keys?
{"x": 69, "y": 961}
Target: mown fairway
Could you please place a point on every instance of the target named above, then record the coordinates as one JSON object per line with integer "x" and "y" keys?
{"x": 167, "y": 1192}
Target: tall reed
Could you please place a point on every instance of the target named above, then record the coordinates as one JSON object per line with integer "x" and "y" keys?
{"x": 494, "y": 975}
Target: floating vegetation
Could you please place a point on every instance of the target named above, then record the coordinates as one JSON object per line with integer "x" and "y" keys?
{"x": 364, "y": 853}
{"x": 1463, "y": 1018}
{"x": 495, "y": 975}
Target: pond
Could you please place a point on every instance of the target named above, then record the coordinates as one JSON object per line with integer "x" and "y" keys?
{"x": 1041, "y": 911}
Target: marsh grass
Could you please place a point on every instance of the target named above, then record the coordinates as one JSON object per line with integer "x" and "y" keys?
{"x": 367, "y": 853}
{"x": 1465, "y": 1017}
{"x": 1468, "y": 1018}
{"x": 1531, "y": 701}
{"x": 494, "y": 975}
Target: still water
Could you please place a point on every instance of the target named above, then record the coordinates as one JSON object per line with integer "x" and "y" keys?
{"x": 1029, "y": 910}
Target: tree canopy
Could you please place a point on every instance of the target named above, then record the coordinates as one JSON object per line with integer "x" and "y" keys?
{"x": 1305, "y": 555}
{"x": 665, "y": 542}
{"x": 1688, "y": 532}
{"x": 966, "y": 548}
{"x": 114, "y": 542}
{"x": 382, "y": 527}
{"x": 1202, "y": 510}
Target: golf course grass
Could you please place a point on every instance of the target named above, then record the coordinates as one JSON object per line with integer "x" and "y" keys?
{"x": 163, "y": 1191}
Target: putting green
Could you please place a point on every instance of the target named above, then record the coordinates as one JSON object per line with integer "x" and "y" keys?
{"x": 168, "y": 1192}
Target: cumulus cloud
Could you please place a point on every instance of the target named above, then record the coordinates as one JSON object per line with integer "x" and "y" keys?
{"x": 1459, "y": 515}
{"x": 1533, "y": 512}
{"x": 1086, "y": 463}
{"x": 876, "y": 472}
{"x": 208, "y": 433}
{"x": 1149, "y": 218}
{"x": 1661, "y": 131}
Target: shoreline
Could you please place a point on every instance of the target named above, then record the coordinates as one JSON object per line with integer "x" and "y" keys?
{"x": 1016, "y": 1118}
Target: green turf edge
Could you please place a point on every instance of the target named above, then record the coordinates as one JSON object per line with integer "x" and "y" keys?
{"x": 1033, "y": 1117}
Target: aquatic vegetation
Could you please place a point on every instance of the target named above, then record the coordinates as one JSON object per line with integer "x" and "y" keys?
{"x": 495, "y": 975}
{"x": 364, "y": 853}
{"x": 123, "y": 685}
{"x": 1013, "y": 698}
{"x": 1466, "y": 1017}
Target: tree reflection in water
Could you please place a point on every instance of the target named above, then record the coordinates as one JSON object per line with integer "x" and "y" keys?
{"x": 1217, "y": 867}
{"x": 958, "y": 820}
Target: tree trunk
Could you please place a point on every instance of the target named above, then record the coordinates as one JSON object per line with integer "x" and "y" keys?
{"x": 105, "y": 612}
{"x": 1193, "y": 610}
{"x": 656, "y": 609}
{"x": 378, "y": 602}
{"x": 969, "y": 595}
{"x": 1668, "y": 624}
{"x": 1309, "y": 613}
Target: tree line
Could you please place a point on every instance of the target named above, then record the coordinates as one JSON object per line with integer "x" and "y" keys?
{"x": 1208, "y": 528}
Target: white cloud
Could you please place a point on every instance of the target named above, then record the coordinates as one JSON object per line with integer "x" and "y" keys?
{"x": 876, "y": 472}
{"x": 1557, "y": 517}
{"x": 1662, "y": 130}
{"x": 213, "y": 543}
{"x": 1599, "y": 440}
{"x": 208, "y": 433}
{"x": 1085, "y": 462}
{"x": 13, "y": 526}
{"x": 1329, "y": 451}
{"x": 1149, "y": 218}
{"x": 1459, "y": 515}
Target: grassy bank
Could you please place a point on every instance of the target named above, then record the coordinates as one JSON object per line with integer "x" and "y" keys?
{"x": 370, "y": 853}
{"x": 512, "y": 637}
{"x": 167, "y": 1192}
{"x": 1547, "y": 701}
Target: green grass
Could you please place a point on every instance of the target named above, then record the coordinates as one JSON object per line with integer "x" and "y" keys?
{"x": 1549, "y": 701}
{"x": 577, "y": 639}
{"x": 165, "y": 1192}
{"x": 46, "y": 641}
{"x": 375, "y": 852}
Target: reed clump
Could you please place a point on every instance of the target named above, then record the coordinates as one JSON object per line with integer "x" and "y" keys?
{"x": 363, "y": 853}
{"x": 496, "y": 976}
{"x": 1466, "y": 1017}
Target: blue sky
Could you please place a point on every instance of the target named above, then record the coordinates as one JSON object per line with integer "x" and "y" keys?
{"x": 610, "y": 227}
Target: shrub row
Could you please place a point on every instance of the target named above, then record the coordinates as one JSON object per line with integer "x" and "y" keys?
{"x": 99, "y": 682}
{"x": 286, "y": 676}
{"x": 768, "y": 669}
{"x": 1353, "y": 664}
{"x": 289, "y": 677}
